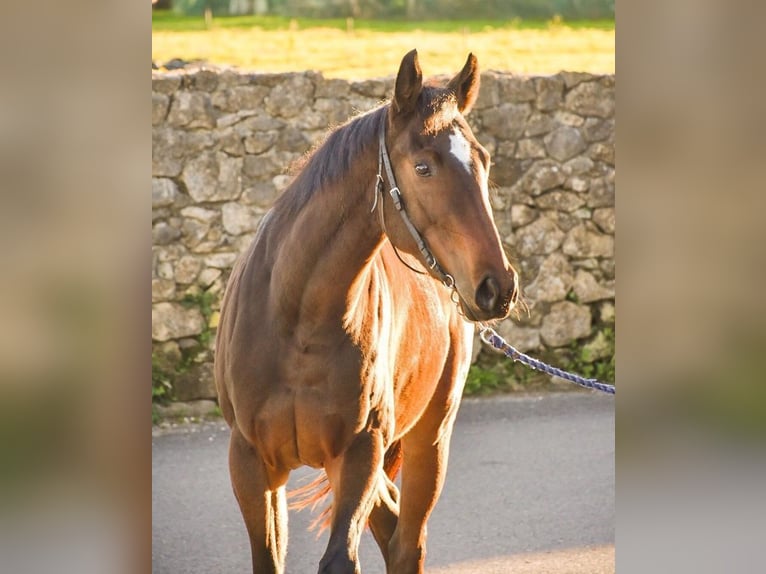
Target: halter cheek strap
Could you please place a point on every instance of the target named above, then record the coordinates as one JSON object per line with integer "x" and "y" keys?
{"x": 385, "y": 163}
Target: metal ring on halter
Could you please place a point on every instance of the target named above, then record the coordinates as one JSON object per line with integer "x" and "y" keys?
{"x": 455, "y": 298}
{"x": 485, "y": 333}
{"x": 449, "y": 280}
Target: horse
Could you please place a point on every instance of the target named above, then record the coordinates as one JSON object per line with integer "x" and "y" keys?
{"x": 346, "y": 328}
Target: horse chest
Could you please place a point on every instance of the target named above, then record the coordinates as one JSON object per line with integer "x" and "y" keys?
{"x": 320, "y": 400}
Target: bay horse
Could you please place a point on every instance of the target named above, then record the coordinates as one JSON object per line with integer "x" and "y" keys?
{"x": 345, "y": 336}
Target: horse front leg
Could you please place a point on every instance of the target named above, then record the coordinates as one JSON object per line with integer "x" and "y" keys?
{"x": 354, "y": 479}
{"x": 425, "y": 450}
{"x": 384, "y": 514}
{"x": 262, "y": 501}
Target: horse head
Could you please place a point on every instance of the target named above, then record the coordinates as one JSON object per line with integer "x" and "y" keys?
{"x": 442, "y": 173}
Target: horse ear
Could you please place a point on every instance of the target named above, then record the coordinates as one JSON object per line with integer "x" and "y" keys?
{"x": 409, "y": 83}
{"x": 466, "y": 85}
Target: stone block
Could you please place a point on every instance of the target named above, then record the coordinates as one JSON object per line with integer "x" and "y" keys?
{"x": 221, "y": 260}
{"x": 164, "y": 192}
{"x": 521, "y": 215}
{"x": 539, "y": 124}
{"x": 164, "y": 233}
{"x": 564, "y": 143}
{"x": 165, "y": 83}
{"x": 160, "y": 104}
{"x": 578, "y": 166}
{"x": 213, "y": 177}
{"x": 489, "y": 94}
{"x": 373, "y": 88}
{"x": 238, "y": 219}
{"x": 561, "y": 200}
{"x": 604, "y": 218}
{"x": 553, "y": 281}
{"x": 602, "y": 152}
{"x": 507, "y": 121}
{"x": 260, "y": 142}
{"x": 582, "y": 243}
{"x": 540, "y": 237}
{"x": 550, "y": 91}
{"x": 591, "y": 99}
{"x": 187, "y": 268}
{"x": 530, "y": 149}
{"x": 571, "y": 79}
{"x": 601, "y": 193}
{"x": 587, "y": 289}
{"x": 290, "y": 97}
{"x": 196, "y": 383}
{"x": 525, "y": 339}
{"x": 332, "y": 88}
{"x": 238, "y": 99}
{"x": 162, "y": 289}
{"x": 260, "y": 168}
{"x": 171, "y": 147}
{"x": 191, "y": 110}
{"x": 565, "y": 323}
{"x": 541, "y": 176}
{"x": 174, "y": 321}
{"x": 598, "y": 129}
{"x": 565, "y": 118}
{"x": 199, "y": 213}
{"x": 517, "y": 89}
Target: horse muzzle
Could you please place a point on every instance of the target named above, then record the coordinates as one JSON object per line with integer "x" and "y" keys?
{"x": 492, "y": 299}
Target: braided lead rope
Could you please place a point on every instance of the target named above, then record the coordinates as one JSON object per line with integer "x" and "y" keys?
{"x": 490, "y": 337}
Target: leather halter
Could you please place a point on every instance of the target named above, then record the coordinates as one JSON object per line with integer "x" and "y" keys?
{"x": 385, "y": 163}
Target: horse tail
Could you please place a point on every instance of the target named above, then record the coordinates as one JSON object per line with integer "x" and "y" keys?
{"x": 314, "y": 493}
{"x": 392, "y": 462}
{"x": 311, "y": 495}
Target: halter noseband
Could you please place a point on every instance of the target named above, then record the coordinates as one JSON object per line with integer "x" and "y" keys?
{"x": 396, "y": 196}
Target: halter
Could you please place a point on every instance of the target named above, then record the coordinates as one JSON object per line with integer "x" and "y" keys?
{"x": 396, "y": 195}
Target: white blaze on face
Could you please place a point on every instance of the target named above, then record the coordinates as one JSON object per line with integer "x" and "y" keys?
{"x": 460, "y": 148}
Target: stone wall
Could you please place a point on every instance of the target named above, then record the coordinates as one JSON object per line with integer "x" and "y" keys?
{"x": 222, "y": 141}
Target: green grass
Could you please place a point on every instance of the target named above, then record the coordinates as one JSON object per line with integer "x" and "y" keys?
{"x": 163, "y": 20}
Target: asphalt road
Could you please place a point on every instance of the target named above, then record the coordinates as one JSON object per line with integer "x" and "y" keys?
{"x": 530, "y": 488}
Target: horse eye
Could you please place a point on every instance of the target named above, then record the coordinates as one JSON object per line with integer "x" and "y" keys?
{"x": 422, "y": 169}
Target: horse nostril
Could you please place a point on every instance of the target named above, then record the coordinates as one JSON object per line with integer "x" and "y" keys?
{"x": 487, "y": 294}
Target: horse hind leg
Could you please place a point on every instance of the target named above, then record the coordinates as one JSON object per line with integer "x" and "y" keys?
{"x": 262, "y": 501}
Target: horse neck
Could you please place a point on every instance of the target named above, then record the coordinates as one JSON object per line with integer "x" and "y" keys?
{"x": 330, "y": 245}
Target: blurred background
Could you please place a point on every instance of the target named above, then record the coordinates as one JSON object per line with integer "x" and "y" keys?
{"x": 364, "y": 39}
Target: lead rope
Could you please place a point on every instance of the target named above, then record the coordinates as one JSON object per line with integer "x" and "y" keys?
{"x": 490, "y": 337}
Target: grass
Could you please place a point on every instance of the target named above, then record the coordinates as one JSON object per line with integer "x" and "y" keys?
{"x": 374, "y": 48}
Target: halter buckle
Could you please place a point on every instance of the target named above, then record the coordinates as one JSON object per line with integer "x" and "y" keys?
{"x": 396, "y": 195}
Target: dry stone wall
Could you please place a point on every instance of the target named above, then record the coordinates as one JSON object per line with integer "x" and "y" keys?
{"x": 222, "y": 141}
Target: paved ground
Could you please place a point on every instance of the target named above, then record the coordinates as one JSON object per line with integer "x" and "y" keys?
{"x": 530, "y": 488}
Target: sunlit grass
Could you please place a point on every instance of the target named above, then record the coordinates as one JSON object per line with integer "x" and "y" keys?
{"x": 374, "y": 49}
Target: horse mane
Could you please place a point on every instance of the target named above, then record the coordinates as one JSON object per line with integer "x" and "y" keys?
{"x": 332, "y": 159}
